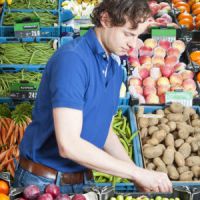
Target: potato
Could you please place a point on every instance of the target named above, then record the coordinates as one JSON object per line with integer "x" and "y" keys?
{"x": 172, "y": 172}
{"x": 189, "y": 110}
{"x": 143, "y": 122}
{"x": 169, "y": 140}
{"x": 153, "y": 121}
{"x": 194, "y": 146}
{"x": 190, "y": 139}
{"x": 183, "y": 133}
{"x": 197, "y": 130}
{"x": 195, "y": 116}
{"x": 162, "y": 169}
{"x": 186, "y": 176}
{"x": 153, "y": 141}
{"x": 168, "y": 155}
{"x": 145, "y": 139}
{"x": 163, "y": 120}
{"x": 183, "y": 169}
{"x": 151, "y": 166}
{"x": 143, "y": 132}
{"x": 192, "y": 160}
{"x": 164, "y": 127}
{"x": 179, "y": 159}
{"x": 160, "y": 112}
{"x": 147, "y": 145}
{"x": 158, "y": 162}
{"x": 175, "y": 117}
{"x": 178, "y": 143}
{"x": 167, "y": 111}
{"x": 159, "y": 135}
{"x": 153, "y": 152}
{"x": 172, "y": 126}
{"x": 185, "y": 150}
{"x": 152, "y": 129}
{"x": 176, "y": 108}
{"x": 196, "y": 170}
{"x": 196, "y": 122}
{"x": 182, "y": 125}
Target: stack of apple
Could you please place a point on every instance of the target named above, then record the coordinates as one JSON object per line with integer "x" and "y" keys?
{"x": 160, "y": 12}
{"x": 158, "y": 70}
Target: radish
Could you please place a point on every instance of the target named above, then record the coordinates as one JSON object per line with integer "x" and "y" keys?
{"x": 52, "y": 189}
{"x": 31, "y": 192}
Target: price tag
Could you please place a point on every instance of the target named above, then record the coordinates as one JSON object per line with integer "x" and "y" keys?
{"x": 24, "y": 90}
{"x": 185, "y": 98}
{"x": 164, "y": 34}
{"x": 27, "y": 27}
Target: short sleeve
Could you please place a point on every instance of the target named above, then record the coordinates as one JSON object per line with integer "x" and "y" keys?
{"x": 67, "y": 77}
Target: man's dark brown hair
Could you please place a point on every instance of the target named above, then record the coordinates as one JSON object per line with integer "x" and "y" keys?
{"x": 136, "y": 11}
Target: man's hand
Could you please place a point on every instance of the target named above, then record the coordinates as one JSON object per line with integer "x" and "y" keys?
{"x": 147, "y": 181}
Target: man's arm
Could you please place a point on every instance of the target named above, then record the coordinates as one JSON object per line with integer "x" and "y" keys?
{"x": 68, "y": 125}
{"x": 114, "y": 147}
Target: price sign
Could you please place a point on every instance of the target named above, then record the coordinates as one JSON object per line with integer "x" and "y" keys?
{"x": 185, "y": 98}
{"x": 23, "y": 90}
{"x": 27, "y": 27}
{"x": 164, "y": 34}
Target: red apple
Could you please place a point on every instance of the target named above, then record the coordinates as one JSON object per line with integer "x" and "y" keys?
{"x": 152, "y": 99}
{"x": 180, "y": 45}
{"x": 145, "y": 59}
{"x": 176, "y": 79}
{"x": 150, "y": 42}
{"x": 163, "y": 81}
{"x": 146, "y": 51}
{"x": 166, "y": 71}
{"x": 187, "y": 74}
{"x": 144, "y": 73}
{"x": 158, "y": 60}
{"x": 165, "y": 44}
{"x": 159, "y": 51}
{"x": 149, "y": 90}
{"x": 149, "y": 81}
{"x": 135, "y": 81}
{"x": 171, "y": 61}
{"x": 173, "y": 52}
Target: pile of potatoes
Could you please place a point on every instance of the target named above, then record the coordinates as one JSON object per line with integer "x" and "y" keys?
{"x": 171, "y": 142}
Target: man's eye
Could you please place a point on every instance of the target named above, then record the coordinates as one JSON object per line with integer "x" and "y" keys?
{"x": 127, "y": 34}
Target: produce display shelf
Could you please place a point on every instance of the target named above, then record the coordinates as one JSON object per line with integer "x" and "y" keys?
{"x": 151, "y": 109}
{"x": 50, "y": 31}
{"x": 29, "y": 67}
{"x": 136, "y": 150}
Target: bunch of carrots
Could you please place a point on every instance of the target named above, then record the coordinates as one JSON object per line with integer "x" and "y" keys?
{"x": 12, "y": 127}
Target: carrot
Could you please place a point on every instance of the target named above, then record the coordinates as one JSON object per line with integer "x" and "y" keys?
{"x": 4, "y": 123}
{"x": 28, "y": 120}
{"x": 21, "y": 131}
{"x": 3, "y": 134}
{"x": 10, "y": 130}
{"x": 3, "y": 155}
{"x": 15, "y": 133}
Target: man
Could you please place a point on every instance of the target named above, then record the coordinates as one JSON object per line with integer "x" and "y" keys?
{"x": 78, "y": 96}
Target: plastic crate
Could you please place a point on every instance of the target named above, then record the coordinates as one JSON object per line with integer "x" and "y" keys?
{"x": 51, "y": 31}
{"x": 65, "y": 40}
{"x": 127, "y": 186}
{"x": 125, "y": 100}
{"x": 151, "y": 109}
{"x": 29, "y": 67}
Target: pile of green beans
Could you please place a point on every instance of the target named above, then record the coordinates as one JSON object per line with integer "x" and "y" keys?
{"x": 46, "y": 18}
{"x": 34, "y": 4}
{"x": 26, "y": 53}
{"x": 122, "y": 129}
{"x": 6, "y": 79}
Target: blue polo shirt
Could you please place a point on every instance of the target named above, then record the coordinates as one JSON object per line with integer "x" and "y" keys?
{"x": 79, "y": 76}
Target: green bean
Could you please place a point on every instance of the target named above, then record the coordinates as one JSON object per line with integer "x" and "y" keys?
{"x": 6, "y": 79}
{"x": 46, "y": 18}
{"x": 34, "y": 4}
{"x": 26, "y": 53}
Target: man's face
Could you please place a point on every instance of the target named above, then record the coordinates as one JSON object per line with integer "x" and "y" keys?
{"x": 119, "y": 40}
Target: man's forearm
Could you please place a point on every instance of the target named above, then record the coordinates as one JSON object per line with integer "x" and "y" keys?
{"x": 114, "y": 147}
{"x": 92, "y": 157}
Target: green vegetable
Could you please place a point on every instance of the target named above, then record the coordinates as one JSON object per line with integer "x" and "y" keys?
{"x": 26, "y": 53}
{"x": 113, "y": 198}
{"x": 158, "y": 198}
{"x": 122, "y": 129}
{"x": 46, "y": 18}
{"x": 6, "y": 79}
{"x": 34, "y": 4}
{"x": 4, "y": 110}
{"x": 120, "y": 197}
{"x": 128, "y": 198}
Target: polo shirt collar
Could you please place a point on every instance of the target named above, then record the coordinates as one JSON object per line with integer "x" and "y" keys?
{"x": 94, "y": 43}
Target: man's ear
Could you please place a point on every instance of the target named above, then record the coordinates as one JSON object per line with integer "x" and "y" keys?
{"x": 105, "y": 20}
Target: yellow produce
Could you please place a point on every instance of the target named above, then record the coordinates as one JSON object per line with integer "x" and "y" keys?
{"x": 9, "y": 2}
{"x": 2, "y": 2}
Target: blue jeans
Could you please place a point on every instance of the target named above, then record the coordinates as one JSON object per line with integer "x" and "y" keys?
{"x": 24, "y": 178}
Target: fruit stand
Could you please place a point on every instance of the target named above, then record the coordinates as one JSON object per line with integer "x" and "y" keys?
{"x": 158, "y": 116}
